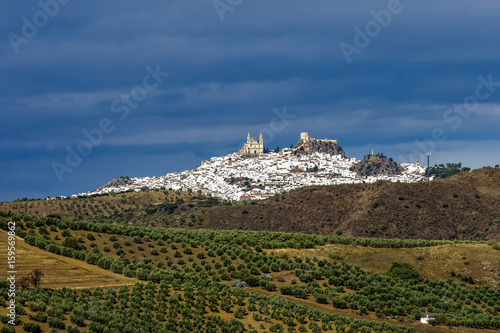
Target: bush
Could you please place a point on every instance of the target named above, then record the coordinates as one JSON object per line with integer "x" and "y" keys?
{"x": 239, "y": 284}
{"x": 403, "y": 271}
{"x": 444, "y": 204}
{"x": 270, "y": 286}
{"x": 90, "y": 236}
{"x": 266, "y": 277}
{"x": 252, "y": 281}
{"x": 56, "y": 323}
{"x": 335, "y": 255}
{"x": 7, "y": 329}
{"x": 440, "y": 319}
{"x": 31, "y": 327}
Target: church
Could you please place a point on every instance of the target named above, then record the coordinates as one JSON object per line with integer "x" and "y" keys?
{"x": 253, "y": 147}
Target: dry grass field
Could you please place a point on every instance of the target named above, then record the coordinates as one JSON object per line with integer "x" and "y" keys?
{"x": 479, "y": 261}
{"x": 59, "y": 271}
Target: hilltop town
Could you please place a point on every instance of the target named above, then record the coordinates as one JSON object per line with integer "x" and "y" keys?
{"x": 252, "y": 174}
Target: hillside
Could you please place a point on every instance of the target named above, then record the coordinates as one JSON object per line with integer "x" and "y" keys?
{"x": 59, "y": 271}
{"x": 231, "y": 273}
{"x": 377, "y": 164}
{"x": 311, "y": 145}
{"x": 459, "y": 207}
{"x": 453, "y": 208}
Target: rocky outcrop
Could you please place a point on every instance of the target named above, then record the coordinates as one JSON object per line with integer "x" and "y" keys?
{"x": 309, "y": 146}
{"x": 122, "y": 181}
{"x": 377, "y": 164}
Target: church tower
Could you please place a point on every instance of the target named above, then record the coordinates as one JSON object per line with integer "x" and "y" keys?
{"x": 252, "y": 147}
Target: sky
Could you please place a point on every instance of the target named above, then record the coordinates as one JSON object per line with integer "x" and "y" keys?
{"x": 93, "y": 90}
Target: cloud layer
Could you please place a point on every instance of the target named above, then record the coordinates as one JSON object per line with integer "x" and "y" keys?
{"x": 226, "y": 77}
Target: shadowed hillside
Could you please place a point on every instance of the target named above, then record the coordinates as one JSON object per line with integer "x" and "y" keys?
{"x": 460, "y": 207}
{"x": 454, "y": 208}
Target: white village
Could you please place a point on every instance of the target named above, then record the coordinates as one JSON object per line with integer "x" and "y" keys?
{"x": 253, "y": 174}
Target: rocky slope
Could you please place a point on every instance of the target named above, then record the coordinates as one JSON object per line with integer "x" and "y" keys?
{"x": 304, "y": 147}
{"x": 377, "y": 164}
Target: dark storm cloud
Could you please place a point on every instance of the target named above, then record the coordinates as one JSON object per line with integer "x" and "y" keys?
{"x": 227, "y": 76}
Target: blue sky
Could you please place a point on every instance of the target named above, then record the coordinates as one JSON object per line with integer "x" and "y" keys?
{"x": 398, "y": 77}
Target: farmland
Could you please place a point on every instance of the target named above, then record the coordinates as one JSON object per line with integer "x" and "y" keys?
{"x": 240, "y": 270}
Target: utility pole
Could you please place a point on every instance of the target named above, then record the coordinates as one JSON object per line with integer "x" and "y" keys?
{"x": 428, "y": 166}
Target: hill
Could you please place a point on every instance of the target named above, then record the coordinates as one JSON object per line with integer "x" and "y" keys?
{"x": 377, "y": 164}
{"x": 60, "y": 271}
{"x": 458, "y": 207}
{"x": 294, "y": 269}
{"x": 310, "y": 145}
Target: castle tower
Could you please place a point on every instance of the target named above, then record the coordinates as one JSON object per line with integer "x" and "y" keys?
{"x": 248, "y": 137}
{"x": 261, "y": 139}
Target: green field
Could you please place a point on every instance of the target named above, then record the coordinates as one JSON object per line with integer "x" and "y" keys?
{"x": 231, "y": 281}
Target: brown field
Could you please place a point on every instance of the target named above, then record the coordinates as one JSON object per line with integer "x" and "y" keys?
{"x": 59, "y": 271}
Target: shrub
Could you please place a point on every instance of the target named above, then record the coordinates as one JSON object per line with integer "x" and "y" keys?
{"x": 31, "y": 327}
{"x": 239, "y": 284}
{"x": 270, "y": 286}
{"x": 444, "y": 204}
{"x": 56, "y": 323}
{"x": 335, "y": 255}
{"x": 7, "y": 329}
{"x": 403, "y": 271}
{"x": 266, "y": 277}
{"x": 252, "y": 281}
{"x": 90, "y": 236}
